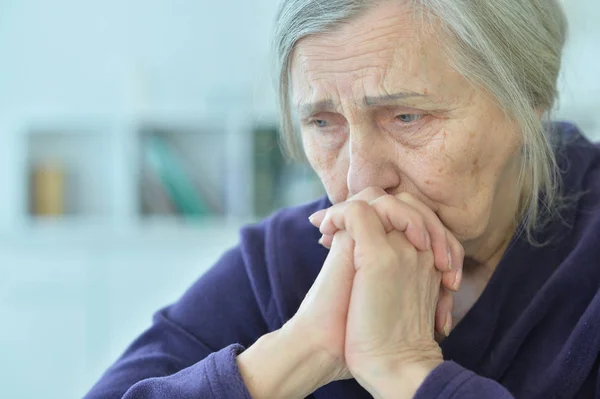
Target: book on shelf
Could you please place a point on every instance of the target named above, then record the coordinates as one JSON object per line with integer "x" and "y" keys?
{"x": 170, "y": 186}
{"x": 155, "y": 200}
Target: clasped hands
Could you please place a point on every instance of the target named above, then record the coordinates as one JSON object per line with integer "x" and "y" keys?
{"x": 383, "y": 294}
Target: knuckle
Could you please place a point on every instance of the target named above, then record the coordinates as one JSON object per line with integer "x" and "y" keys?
{"x": 428, "y": 258}
{"x": 406, "y": 253}
{"x": 358, "y": 203}
{"x": 388, "y": 257}
{"x": 374, "y": 192}
{"x": 359, "y": 208}
{"x": 456, "y": 245}
{"x": 406, "y": 197}
{"x": 418, "y": 220}
{"x": 385, "y": 201}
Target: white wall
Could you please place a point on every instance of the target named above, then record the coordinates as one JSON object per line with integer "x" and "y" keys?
{"x": 112, "y": 54}
{"x": 580, "y": 78}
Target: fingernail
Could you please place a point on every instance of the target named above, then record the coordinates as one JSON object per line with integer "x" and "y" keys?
{"x": 449, "y": 258}
{"x": 457, "y": 280}
{"x": 311, "y": 218}
{"x": 427, "y": 241}
{"x": 320, "y": 240}
{"x": 448, "y": 324}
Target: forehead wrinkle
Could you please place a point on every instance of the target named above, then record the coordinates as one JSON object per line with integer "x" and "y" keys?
{"x": 310, "y": 59}
{"x": 402, "y": 56}
{"x": 371, "y": 101}
{"x": 310, "y": 55}
{"x": 334, "y": 46}
{"x": 312, "y": 108}
{"x": 395, "y": 24}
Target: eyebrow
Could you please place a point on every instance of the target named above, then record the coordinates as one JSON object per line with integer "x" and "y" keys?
{"x": 306, "y": 110}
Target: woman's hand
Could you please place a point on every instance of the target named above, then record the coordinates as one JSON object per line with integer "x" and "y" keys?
{"x": 322, "y": 316}
{"x": 424, "y": 230}
{"x": 308, "y": 351}
{"x": 390, "y": 346}
{"x": 311, "y": 349}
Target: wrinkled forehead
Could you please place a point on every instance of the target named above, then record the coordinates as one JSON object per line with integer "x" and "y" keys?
{"x": 381, "y": 53}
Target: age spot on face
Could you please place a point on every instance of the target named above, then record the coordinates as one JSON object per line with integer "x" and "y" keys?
{"x": 475, "y": 169}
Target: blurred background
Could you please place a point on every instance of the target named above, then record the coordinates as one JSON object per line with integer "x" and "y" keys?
{"x": 136, "y": 137}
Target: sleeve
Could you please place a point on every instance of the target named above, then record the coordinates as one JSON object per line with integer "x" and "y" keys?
{"x": 217, "y": 376}
{"x": 451, "y": 381}
{"x": 190, "y": 350}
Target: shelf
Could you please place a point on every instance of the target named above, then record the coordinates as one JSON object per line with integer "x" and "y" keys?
{"x": 91, "y": 174}
{"x": 61, "y": 165}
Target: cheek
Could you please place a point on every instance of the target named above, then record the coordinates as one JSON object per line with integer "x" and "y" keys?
{"x": 464, "y": 176}
{"x": 331, "y": 165}
{"x": 440, "y": 169}
{"x": 437, "y": 182}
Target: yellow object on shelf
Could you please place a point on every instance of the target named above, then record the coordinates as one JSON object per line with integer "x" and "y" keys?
{"x": 48, "y": 190}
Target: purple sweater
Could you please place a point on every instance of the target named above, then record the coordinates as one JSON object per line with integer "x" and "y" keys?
{"x": 533, "y": 333}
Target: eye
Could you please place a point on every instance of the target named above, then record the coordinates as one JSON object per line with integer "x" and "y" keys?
{"x": 320, "y": 123}
{"x": 409, "y": 118}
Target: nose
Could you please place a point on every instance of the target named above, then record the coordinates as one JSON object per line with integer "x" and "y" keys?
{"x": 371, "y": 163}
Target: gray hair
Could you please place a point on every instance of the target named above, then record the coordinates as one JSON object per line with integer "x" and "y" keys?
{"x": 512, "y": 49}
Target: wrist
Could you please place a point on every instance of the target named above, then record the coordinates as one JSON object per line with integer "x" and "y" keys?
{"x": 398, "y": 376}
{"x": 283, "y": 365}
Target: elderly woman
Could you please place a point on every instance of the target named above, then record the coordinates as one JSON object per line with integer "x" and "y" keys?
{"x": 457, "y": 254}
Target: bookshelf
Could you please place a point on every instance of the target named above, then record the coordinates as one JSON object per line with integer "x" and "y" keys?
{"x": 61, "y": 163}
{"x": 152, "y": 173}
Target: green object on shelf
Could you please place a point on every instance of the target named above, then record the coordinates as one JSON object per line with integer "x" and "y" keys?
{"x": 176, "y": 181}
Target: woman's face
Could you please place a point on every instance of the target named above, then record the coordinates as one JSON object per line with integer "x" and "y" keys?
{"x": 380, "y": 106}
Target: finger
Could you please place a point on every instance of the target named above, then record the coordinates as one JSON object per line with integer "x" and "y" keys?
{"x": 437, "y": 232}
{"x": 443, "y": 313}
{"x": 453, "y": 279}
{"x": 326, "y": 241}
{"x": 397, "y": 215}
{"x": 316, "y": 218}
{"x": 369, "y": 194}
{"x": 360, "y": 220}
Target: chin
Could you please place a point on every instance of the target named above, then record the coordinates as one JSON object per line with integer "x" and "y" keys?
{"x": 464, "y": 229}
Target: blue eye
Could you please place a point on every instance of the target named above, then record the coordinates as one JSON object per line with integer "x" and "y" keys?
{"x": 320, "y": 123}
{"x": 409, "y": 118}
